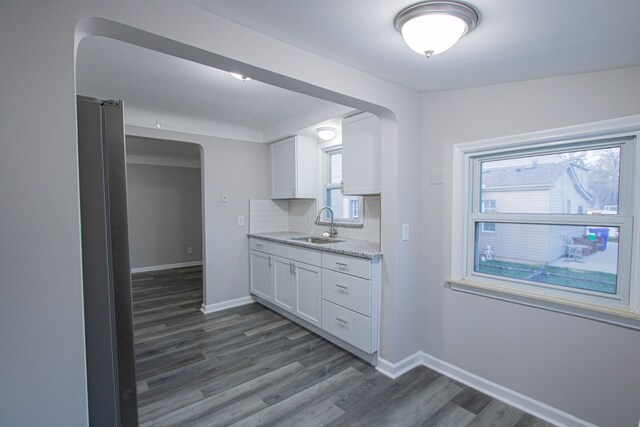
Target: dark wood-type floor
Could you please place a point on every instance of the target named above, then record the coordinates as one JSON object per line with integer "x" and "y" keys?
{"x": 249, "y": 366}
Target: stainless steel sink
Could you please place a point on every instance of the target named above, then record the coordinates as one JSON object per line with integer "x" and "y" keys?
{"x": 316, "y": 239}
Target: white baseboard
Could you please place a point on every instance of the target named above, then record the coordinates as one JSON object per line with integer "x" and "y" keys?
{"x": 504, "y": 394}
{"x": 165, "y": 266}
{"x": 212, "y": 308}
{"x": 394, "y": 370}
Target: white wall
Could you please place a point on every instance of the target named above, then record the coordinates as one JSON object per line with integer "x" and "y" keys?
{"x": 586, "y": 368}
{"x": 164, "y": 209}
{"x": 41, "y": 314}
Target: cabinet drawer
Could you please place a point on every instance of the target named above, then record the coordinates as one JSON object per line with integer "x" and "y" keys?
{"x": 259, "y": 245}
{"x": 296, "y": 253}
{"x": 350, "y": 292}
{"x": 345, "y": 264}
{"x": 347, "y": 325}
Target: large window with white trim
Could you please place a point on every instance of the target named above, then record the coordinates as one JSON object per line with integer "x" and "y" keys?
{"x": 553, "y": 220}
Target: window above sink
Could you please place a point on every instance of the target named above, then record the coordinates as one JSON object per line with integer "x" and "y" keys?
{"x": 347, "y": 210}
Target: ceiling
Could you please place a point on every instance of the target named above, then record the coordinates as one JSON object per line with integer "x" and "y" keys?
{"x": 514, "y": 40}
{"x": 163, "y": 91}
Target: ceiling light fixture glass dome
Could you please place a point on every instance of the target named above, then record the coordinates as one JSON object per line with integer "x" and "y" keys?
{"x": 432, "y": 27}
{"x": 326, "y": 133}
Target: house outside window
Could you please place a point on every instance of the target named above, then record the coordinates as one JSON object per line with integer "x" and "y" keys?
{"x": 555, "y": 241}
{"x": 346, "y": 209}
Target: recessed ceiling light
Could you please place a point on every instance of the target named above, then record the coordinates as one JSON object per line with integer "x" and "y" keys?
{"x": 240, "y": 77}
{"x": 326, "y": 133}
{"x": 431, "y": 27}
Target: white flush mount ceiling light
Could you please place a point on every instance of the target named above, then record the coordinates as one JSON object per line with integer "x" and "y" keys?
{"x": 240, "y": 77}
{"x": 326, "y": 133}
{"x": 432, "y": 27}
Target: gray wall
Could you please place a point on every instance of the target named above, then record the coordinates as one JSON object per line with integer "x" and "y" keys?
{"x": 165, "y": 214}
{"x": 584, "y": 367}
{"x": 241, "y": 171}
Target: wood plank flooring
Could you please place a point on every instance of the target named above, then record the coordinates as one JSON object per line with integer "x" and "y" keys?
{"x": 249, "y": 366}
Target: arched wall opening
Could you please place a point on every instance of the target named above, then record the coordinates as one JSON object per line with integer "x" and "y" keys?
{"x": 392, "y": 276}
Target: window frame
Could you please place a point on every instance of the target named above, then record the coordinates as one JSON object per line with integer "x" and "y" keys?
{"x": 326, "y": 151}
{"x": 484, "y": 228}
{"x": 596, "y": 135}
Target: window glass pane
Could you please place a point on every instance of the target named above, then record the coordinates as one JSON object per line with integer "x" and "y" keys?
{"x": 344, "y": 207}
{"x": 578, "y": 182}
{"x": 335, "y": 168}
{"x": 563, "y": 255}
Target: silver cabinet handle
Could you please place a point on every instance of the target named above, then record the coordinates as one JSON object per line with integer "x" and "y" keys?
{"x": 293, "y": 191}
{"x": 342, "y": 187}
{"x": 270, "y": 262}
{"x": 342, "y": 266}
{"x": 341, "y": 320}
{"x": 292, "y": 269}
{"x": 342, "y": 287}
{"x": 258, "y": 245}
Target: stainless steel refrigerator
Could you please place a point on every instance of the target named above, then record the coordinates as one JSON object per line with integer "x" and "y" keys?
{"x": 105, "y": 264}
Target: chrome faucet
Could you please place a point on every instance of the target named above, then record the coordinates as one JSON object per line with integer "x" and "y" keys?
{"x": 332, "y": 231}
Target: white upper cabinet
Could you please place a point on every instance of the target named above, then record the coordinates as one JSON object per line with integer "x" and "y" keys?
{"x": 293, "y": 163}
{"x": 361, "y": 140}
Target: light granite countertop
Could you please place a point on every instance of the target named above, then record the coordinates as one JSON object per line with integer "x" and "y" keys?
{"x": 356, "y": 248}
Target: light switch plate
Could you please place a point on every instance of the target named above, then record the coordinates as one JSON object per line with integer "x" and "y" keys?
{"x": 436, "y": 176}
{"x": 405, "y": 231}
{"x": 240, "y": 220}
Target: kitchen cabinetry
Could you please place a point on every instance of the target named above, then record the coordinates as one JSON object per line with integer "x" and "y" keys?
{"x": 308, "y": 284}
{"x": 350, "y": 300}
{"x": 293, "y": 168}
{"x": 260, "y": 271}
{"x": 337, "y": 294}
{"x": 361, "y": 154}
{"x": 283, "y": 285}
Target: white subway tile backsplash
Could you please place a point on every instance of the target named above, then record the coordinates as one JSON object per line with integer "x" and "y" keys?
{"x": 267, "y": 216}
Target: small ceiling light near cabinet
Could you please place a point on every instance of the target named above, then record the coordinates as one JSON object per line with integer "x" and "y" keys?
{"x": 240, "y": 77}
{"x": 326, "y": 133}
{"x": 432, "y": 27}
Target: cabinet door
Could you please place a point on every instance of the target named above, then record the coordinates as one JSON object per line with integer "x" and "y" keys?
{"x": 283, "y": 286}
{"x": 308, "y": 284}
{"x": 260, "y": 274}
{"x": 361, "y": 137}
{"x": 283, "y": 166}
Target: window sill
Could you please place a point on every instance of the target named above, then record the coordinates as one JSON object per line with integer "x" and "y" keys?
{"x": 624, "y": 318}
{"x": 342, "y": 224}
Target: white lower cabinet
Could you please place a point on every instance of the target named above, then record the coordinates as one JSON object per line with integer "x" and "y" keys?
{"x": 308, "y": 283}
{"x": 261, "y": 283}
{"x": 347, "y": 325}
{"x": 335, "y": 293}
{"x": 283, "y": 284}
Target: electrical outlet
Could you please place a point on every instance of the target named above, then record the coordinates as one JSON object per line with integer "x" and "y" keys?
{"x": 405, "y": 231}
{"x": 223, "y": 198}
{"x": 190, "y": 249}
